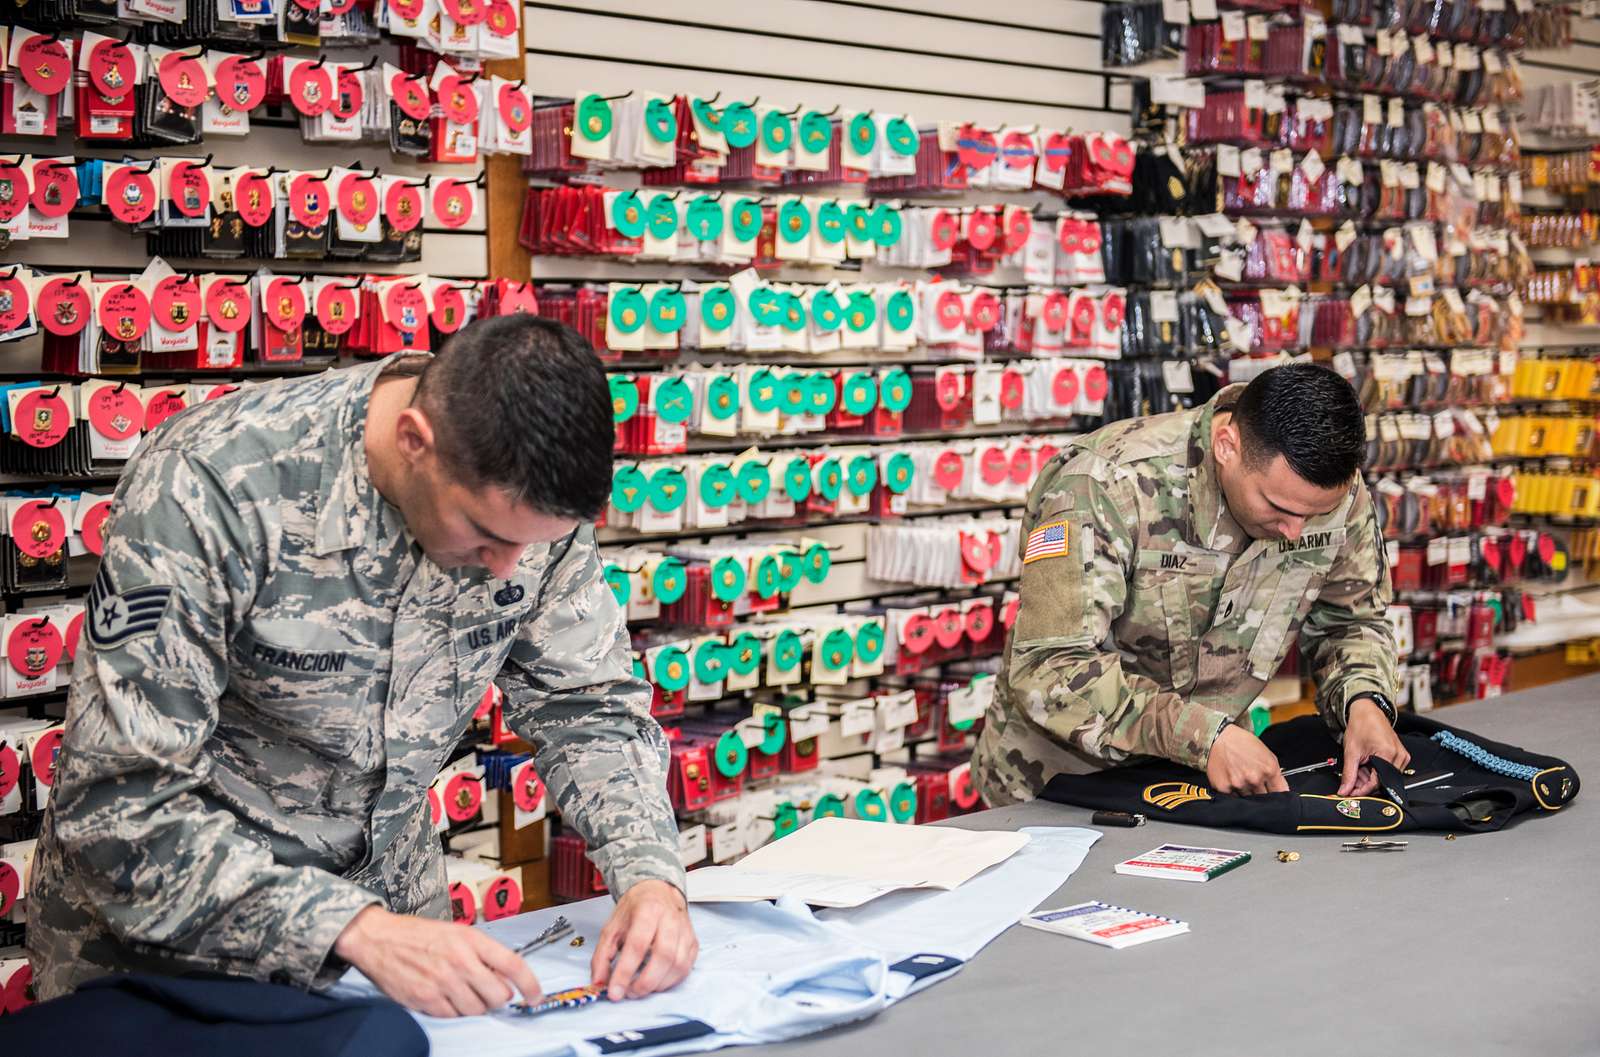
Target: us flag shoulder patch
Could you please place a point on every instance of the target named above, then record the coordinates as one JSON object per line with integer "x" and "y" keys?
{"x": 115, "y": 618}
{"x": 1046, "y": 541}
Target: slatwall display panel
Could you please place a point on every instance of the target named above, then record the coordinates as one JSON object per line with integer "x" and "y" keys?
{"x": 1579, "y": 61}
{"x": 960, "y": 64}
{"x": 97, "y": 241}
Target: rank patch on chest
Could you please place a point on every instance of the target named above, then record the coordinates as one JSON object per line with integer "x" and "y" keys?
{"x": 1046, "y": 541}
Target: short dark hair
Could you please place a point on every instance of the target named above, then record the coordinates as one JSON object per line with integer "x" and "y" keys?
{"x": 1308, "y": 414}
{"x": 522, "y": 403}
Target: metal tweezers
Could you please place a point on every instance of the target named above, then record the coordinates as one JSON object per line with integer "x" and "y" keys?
{"x": 559, "y": 929}
{"x": 1368, "y": 844}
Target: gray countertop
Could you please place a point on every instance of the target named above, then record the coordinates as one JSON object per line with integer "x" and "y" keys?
{"x": 1486, "y": 944}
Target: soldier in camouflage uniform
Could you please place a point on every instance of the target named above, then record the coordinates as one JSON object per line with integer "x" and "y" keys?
{"x": 307, "y": 587}
{"x": 1168, "y": 563}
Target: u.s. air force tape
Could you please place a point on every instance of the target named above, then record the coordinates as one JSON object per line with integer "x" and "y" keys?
{"x": 115, "y": 618}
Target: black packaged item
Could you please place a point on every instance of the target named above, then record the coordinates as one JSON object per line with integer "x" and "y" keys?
{"x": 317, "y": 345}
{"x": 392, "y": 247}
{"x": 1163, "y": 333}
{"x": 301, "y": 26}
{"x": 304, "y": 241}
{"x": 1113, "y": 240}
{"x": 1347, "y": 129}
{"x": 1149, "y": 262}
{"x": 408, "y": 135}
{"x": 1204, "y": 190}
{"x": 224, "y": 237}
{"x": 1160, "y": 184}
{"x": 1135, "y": 33}
{"x": 1137, "y": 328}
{"x": 1202, "y": 327}
{"x": 158, "y": 118}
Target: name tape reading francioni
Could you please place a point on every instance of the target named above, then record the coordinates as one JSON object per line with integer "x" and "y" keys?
{"x": 326, "y": 661}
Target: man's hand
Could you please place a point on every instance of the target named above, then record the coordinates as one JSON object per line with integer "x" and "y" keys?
{"x": 1240, "y": 763}
{"x": 1367, "y": 734}
{"x": 434, "y": 967}
{"x": 650, "y": 939}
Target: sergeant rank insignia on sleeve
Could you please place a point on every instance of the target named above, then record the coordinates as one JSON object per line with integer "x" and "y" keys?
{"x": 1046, "y": 541}
{"x": 116, "y": 618}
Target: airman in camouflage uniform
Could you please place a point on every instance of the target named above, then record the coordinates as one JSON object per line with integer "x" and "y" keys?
{"x": 271, "y": 675}
{"x": 1161, "y": 618}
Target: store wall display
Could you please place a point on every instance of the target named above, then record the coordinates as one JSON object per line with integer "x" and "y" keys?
{"x": 1385, "y": 228}
{"x": 852, "y": 290}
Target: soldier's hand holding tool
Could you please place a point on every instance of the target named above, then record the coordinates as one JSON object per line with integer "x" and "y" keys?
{"x": 1240, "y": 763}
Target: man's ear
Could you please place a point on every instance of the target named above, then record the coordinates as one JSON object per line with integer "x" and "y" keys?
{"x": 413, "y": 435}
{"x": 1226, "y": 447}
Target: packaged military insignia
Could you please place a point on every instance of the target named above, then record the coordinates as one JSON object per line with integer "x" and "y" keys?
{"x": 356, "y": 222}
{"x": 456, "y": 29}
{"x": 308, "y": 84}
{"x": 32, "y": 640}
{"x": 507, "y": 129}
{"x": 455, "y": 202}
{"x": 225, "y": 328}
{"x": 36, "y": 82}
{"x": 400, "y": 217}
{"x": 186, "y": 192}
{"x": 348, "y": 24}
{"x": 241, "y": 86}
{"x": 455, "y": 130}
{"x": 453, "y": 306}
{"x": 17, "y": 311}
{"x": 174, "y": 311}
{"x": 253, "y": 196}
{"x": 130, "y": 192}
{"x": 410, "y": 107}
{"x": 302, "y": 23}
{"x": 342, "y": 120}
{"x": 54, "y": 194}
{"x": 115, "y": 413}
{"x": 302, "y": 211}
{"x": 394, "y": 315}
{"x": 170, "y": 99}
{"x": 109, "y": 71}
{"x": 223, "y": 236}
{"x": 277, "y": 326}
{"x": 332, "y": 303}
{"x": 407, "y": 18}
{"x": 121, "y": 318}
{"x": 41, "y": 438}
